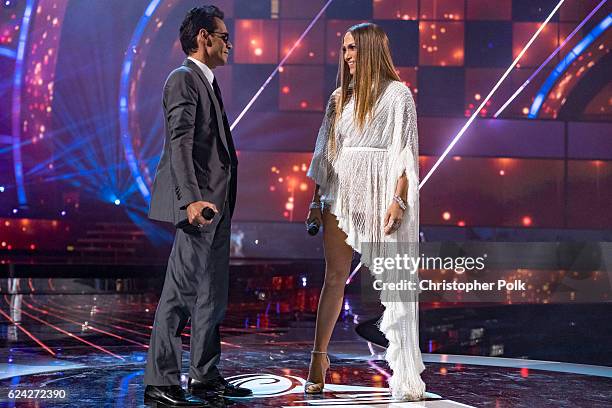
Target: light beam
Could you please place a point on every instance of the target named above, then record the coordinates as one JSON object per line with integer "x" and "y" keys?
{"x": 265, "y": 84}
{"x": 485, "y": 100}
{"x": 551, "y": 56}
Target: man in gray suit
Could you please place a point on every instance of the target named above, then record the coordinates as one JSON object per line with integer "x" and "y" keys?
{"x": 197, "y": 170}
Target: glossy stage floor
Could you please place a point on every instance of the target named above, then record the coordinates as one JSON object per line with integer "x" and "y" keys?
{"x": 85, "y": 339}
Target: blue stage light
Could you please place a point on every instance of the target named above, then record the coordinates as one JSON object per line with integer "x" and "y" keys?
{"x": 117, "y": 202}
{"x": 126, "y": 136}
{"x": 565, "y": 63}
{"x": 8, "y": 53}
{"x": 16, "y": 101}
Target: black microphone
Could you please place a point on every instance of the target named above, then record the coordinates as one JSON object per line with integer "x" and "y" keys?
{"x": 208, "y": 214}
{"x": 312, "y": 227}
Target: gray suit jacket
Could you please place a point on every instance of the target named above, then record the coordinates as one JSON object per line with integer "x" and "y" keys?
{"x": 198, "y": 162}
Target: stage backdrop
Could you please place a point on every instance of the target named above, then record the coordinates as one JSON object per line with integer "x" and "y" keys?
{"x": 81, "y": 125}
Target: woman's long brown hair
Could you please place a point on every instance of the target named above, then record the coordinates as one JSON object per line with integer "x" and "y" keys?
{"x": 373, "y": 69}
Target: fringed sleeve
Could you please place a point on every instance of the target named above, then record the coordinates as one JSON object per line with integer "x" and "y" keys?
{"x": 404, "y": 152}
{"x": 400, "y": 320}
{"x": 320, "y": 169}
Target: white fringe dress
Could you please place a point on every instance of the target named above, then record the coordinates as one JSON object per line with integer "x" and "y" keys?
{"x": 358, "y": 182}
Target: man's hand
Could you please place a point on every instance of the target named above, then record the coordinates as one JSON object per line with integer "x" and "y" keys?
{"x": 194, "y": 212}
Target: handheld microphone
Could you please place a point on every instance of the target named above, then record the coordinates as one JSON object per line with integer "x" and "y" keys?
{"x": 207, "y": 213}
{"x": 312, "y": 228}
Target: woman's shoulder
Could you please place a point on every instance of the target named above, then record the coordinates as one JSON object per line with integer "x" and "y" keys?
{"x": 398, "y": 88}
{"x": 336, "y": 94}
{"x": 334, "y": 97}
{"x": 398, "y": 92}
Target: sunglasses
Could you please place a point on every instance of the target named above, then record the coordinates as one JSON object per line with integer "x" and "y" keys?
{"x": 225, "y": 37}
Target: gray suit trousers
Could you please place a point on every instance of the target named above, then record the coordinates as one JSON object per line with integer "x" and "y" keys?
{"x": 196, "y": 286}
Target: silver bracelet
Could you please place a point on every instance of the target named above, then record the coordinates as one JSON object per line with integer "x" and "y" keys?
{"x": 400, "y": 202}
{"x": 316, "y": 205}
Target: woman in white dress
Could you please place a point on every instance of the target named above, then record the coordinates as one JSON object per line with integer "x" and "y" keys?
{"x": 366, "y": 198}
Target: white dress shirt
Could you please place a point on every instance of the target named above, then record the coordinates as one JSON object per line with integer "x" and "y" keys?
{"x": 207, "y": 71}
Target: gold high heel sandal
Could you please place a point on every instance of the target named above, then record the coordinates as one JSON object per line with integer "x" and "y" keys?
{"x": 313, "y": 387}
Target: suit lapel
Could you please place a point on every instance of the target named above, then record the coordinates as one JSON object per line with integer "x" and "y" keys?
{"x": 190, "y": 64}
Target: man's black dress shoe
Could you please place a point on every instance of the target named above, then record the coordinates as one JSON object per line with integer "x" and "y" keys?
{"x": 219, "y": 386}
{"x": 171, "y": 396}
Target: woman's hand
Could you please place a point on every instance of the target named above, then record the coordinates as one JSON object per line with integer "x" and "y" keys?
{"x": 315, "y": 215}
{"x": 393, "y": 218}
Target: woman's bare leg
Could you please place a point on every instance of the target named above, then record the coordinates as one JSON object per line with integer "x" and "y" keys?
{"x": 338, "y": 256}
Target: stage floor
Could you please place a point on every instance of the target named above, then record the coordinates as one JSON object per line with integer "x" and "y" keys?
{"x": 89, "y": 339}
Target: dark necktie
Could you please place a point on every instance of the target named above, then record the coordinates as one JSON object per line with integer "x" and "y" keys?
{"x": 228, "y": 133}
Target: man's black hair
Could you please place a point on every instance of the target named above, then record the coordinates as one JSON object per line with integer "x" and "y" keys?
{"x": 198, "y": 18}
